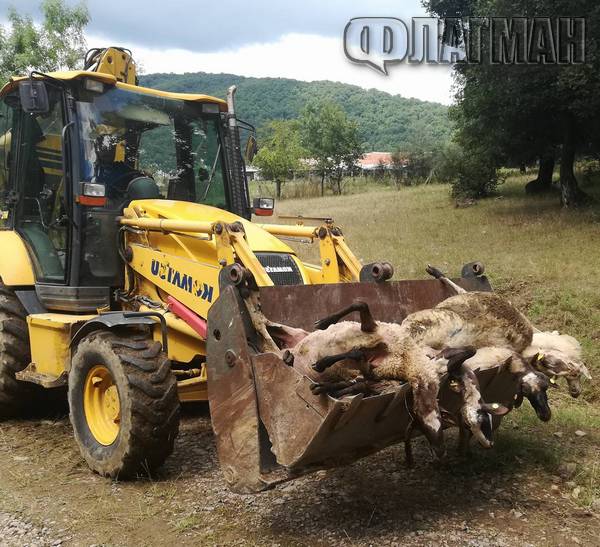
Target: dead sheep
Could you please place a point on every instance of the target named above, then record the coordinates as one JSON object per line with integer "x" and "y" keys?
{"x": 558, "y": 356}
{"x": 474, "y": 417}
{"x": 532, "y": 385}
{"x": 479, "y": 319}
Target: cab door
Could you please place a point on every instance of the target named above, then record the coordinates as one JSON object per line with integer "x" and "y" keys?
{"x": 41, "y": 215}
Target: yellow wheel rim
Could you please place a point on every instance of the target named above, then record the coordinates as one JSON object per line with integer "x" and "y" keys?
{"x": 101, "y": 405}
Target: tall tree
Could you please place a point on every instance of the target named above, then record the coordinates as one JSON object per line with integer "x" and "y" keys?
{"x": 522, "y": 113}
{"x": 57, "y": 43}
{"x": 331, "y": 139}
{"x": 280, "y": 152}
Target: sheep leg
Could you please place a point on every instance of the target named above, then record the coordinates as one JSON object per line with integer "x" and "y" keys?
{"x": 438, "y": 274}
{"x": 464, "y": 439}
{"x": 356, "y": 387}
{"x": 367, "y": 323}
{"x": 330, "y": 387}
{"x": 323, "y": 364}
{"x": 408, "y": 451}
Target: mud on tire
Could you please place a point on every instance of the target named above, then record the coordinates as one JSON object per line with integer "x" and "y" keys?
{"x": 149, "y": 405}
{"x": 15, "y": 396}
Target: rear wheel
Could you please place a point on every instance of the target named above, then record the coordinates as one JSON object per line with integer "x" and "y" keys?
{"x": 123, "y": 404}
{"x": 15, "y": 355}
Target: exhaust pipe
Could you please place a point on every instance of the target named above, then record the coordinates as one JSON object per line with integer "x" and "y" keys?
{"x": 231, "y": 106}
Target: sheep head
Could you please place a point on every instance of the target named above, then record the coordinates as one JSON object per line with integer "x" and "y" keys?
{"x": 475, "y": 415}
{"x": 534, "y": 386}
{"x": 557, "y": 364}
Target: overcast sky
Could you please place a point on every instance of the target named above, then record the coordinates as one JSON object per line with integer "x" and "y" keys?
{"x": 301, "y": 39}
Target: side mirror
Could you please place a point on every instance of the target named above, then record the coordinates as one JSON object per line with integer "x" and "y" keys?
{"x": 34, "y": 97}
{"x": 251, "y": 149}
{"x": 263, "y": 207}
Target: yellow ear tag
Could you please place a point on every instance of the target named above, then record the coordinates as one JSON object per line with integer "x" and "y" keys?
{"x": 552, "y": 380}
{"x": 540, "y": 356}
{"x": 495, "y": 406}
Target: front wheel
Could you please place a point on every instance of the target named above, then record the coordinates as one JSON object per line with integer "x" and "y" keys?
{"x": 123, "y": 404}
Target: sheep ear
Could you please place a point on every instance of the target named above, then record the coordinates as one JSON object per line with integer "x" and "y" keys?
{"x": 585, "y": 372}
{"x": 496, "y": 409}
{"x": 536, "y": 359}
{"x": 518, "y": 400}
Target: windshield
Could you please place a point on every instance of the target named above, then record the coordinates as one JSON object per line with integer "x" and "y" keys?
{"x": 140, "y": 146}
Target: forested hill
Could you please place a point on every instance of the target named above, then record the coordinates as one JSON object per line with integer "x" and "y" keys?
{"x": 386, "y": 122}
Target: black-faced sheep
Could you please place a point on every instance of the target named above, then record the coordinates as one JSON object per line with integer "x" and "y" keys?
{"x": 532, "y": 385}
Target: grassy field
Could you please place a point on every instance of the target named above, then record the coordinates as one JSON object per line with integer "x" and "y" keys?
{"x": 546, "y": 259}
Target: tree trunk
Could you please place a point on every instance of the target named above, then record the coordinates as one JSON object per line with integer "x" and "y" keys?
{"x": 570, "y": 194}
{"x": 543, "y": 183}
{"x": 322, "y": 184}
{"x": 278, "y": 186}
{"x": 546, "y": 171}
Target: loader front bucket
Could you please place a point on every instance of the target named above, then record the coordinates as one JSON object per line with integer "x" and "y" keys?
{"x": 269, "y": 426}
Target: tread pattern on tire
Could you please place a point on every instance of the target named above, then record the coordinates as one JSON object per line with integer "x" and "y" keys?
{"x": 14, "y": 354}
{"x": 152, "y": 391}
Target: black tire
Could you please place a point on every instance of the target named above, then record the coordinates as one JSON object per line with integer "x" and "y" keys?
{"x": 15, "y": 355}
{"x": 149, "y": 405}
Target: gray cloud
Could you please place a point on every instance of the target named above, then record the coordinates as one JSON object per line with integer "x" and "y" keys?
{"x": 203, "y": 26}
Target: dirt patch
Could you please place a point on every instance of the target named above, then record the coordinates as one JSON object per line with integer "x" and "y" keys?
{"x": 503, "y": 497}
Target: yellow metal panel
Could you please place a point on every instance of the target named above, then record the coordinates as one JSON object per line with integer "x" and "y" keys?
{"x": 18, "y": 270}
{"x": 50, "y": 336}
{"x": 193, "y": 97}
{"x": 111, "y": 80}
{"x": 185, "y": 212}
{"x": 194, "y": 284}
{"x": 192, "y": 390}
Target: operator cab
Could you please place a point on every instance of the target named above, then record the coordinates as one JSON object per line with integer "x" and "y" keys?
{"x": 69, "y": 168}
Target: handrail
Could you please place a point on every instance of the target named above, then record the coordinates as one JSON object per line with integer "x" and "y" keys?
{"x": 169, "y": 225}
{"x": 289, "y": 230}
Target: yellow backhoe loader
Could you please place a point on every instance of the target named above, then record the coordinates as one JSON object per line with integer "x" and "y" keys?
{"x": 125, "y": 233}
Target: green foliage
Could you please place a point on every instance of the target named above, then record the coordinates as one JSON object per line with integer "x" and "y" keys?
{"x": 475, "y": 175}
{"x": 385, "y": 122}
{"x": 57, "y": 44}
{"x": 331, "y": 139}
{"x": 516, "y": 114}
{"x": 280, "y": 153}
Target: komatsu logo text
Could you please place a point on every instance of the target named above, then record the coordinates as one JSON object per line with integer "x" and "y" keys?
{"x": 181, "y": 280}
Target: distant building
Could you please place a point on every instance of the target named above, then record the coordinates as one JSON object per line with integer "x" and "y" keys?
{"x": 252, "y": 173}
{"x": 375, "y": 160}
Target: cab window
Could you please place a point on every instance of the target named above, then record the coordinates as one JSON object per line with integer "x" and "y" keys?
{"x": 41, "y": 218}
{"x": 7, "y": 113}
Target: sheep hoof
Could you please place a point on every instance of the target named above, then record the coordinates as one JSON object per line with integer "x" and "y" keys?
{"x": 318, "y": 389}
{"x": 322, "y": 324}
